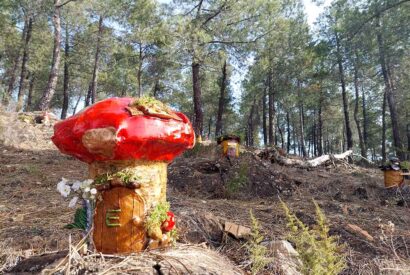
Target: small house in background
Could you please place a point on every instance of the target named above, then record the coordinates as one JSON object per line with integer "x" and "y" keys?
{"x": 230, "y": 145}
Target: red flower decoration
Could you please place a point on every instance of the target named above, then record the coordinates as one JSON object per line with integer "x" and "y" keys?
{"x": 169, "y": 224}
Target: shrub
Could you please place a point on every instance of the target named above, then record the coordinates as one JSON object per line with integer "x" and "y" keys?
{"x": 319, "y": 252}
{"x": 256, "y": 250}
{"x": 239, "y": 180}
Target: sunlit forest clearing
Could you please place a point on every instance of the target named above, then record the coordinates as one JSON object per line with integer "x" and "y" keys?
{"x": 315, "y": 92}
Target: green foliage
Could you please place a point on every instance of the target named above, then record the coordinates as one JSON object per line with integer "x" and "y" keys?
{"x": 101, "y": 179}
{"x": 157, "y": 216}
{"x": 405, "y": 165}
{"x": 257, "y": 251}
{"x": 80, "y": 220}
{"x": 173, "y": 234}
{"x": 319, "y": 252}
{"x": 239, "y": 180}
{"x": 126, "y": 176}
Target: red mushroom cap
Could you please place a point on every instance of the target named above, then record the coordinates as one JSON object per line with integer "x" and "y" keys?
{"x": 169, "y": 224}
{"x": 121, "y": 135}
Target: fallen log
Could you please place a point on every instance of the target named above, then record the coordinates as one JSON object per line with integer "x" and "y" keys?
{"x": 274, "y": 156}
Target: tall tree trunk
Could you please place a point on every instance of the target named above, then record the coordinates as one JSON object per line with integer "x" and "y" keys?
{"x": 288, "y": 134}
{"x": 77, "y": 103}
{"x": 344, "y": 94}
{"x": 320, "y": 125}
{"x": 302, "y": 130}
{"x": 55, "y": 63}
{"x": 251, "y": 124}
{"x": 365, "y": 120}
{"x": 408, "y": 134}
{"x": 29, "y": 104}
{"x": 271, "y": 110}
{"x": 13, "y": 71}
{"x": 356, "y": 112}
{"x": 264, "y": 128}
{"x": 389, "y": 90}
{"x": 196, "y": 81}
{"x": 156, "y": 89}
{"x": 384, "y": 127}
{"x": 23, "y": 74}
{"x": 92, "y": 92}
{"x": 282, "y": 141}
{"x": 301, "y": 121}
{"x": 221, "y": 103}
{"x": 314, "y": 135}
{"x": 139, "y": 70}
{"x": 66, "y": 98}
{"x": 294, "y": 136}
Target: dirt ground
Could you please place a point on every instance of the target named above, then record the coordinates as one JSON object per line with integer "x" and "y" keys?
{"x": 33, "y": 214}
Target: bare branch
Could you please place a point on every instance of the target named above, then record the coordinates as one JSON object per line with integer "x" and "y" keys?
{"x": 242, "y": 20}
{"x": 191, "y": 10}
{"x": 199, "y": 8}
{"x": 215, "y": 14}
{"x": 240, "y": 42}
{"x": 63, "y": 4}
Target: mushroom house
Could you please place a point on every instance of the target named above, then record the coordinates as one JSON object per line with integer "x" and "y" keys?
{"x": 128, "y": 143}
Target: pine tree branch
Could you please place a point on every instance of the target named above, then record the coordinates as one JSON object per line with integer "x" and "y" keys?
{"x": 377, "y": 14}
{"x": 63, "y": 4}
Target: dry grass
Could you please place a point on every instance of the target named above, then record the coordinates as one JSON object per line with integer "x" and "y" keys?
{"x": 181, "y": 259}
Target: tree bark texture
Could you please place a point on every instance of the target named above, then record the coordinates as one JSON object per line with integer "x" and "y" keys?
{"x": 384, "y": 128}
{"x": 365, "y": 119}
{"x": 288, "y": 133}
{"x": 271, "y": 110}
{"x": 264, "y": 128}
{"x": 302, "y": 130}
{"x": 389, "y": 90}
{"x": 251, "y": 124}
{"x": 139, "y": 70}
{"x": 196, "y": 81}
{"x": 66, "y": 98}
{"x": 92, "y": 92}
{"x": 344, "y": 94}
{"x": 356, "y": 112}
{"x": 55, "y": 63}
{"x": 320, "y": 150}
{"x": 23, "y": 73}
{"x": 221, "y": 103}
{"x": 29, "y": 104}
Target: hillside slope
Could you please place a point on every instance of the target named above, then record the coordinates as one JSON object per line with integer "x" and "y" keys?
{"x": 205, "y": 191}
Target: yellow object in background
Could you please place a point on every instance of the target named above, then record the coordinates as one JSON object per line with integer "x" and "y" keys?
{"x": 230, "y": 148}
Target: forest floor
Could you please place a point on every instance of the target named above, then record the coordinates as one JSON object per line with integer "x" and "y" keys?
{"x": 204, "y": 190}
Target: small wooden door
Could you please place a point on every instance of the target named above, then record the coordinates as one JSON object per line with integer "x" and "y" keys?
{"x": 114, "y": 228}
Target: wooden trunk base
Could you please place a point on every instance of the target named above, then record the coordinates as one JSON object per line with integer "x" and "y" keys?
{"x": 121, "y": 211}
